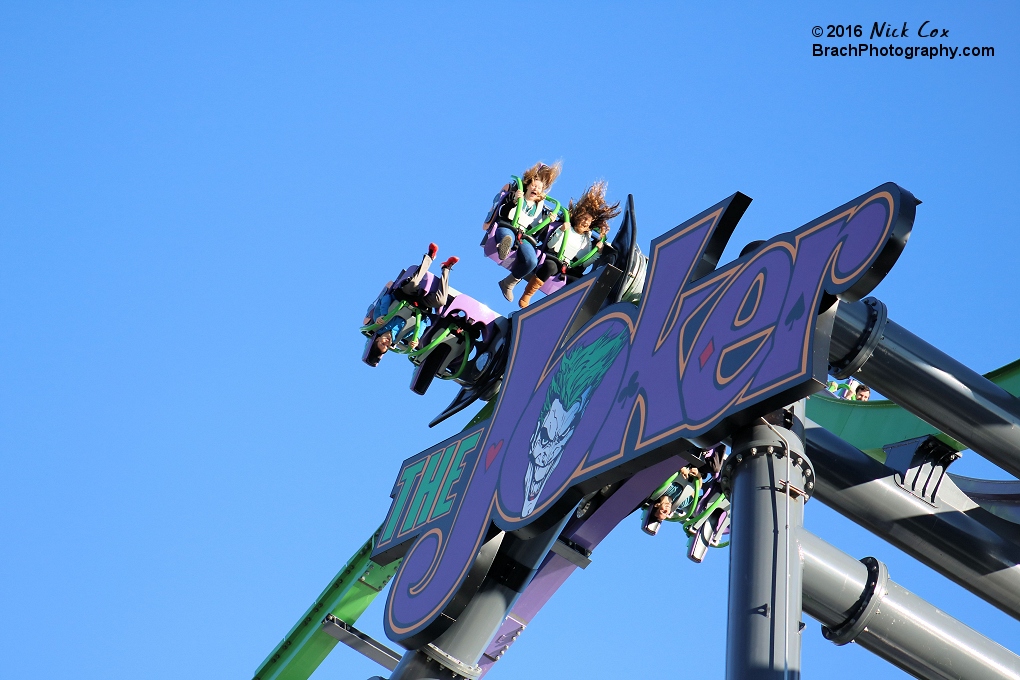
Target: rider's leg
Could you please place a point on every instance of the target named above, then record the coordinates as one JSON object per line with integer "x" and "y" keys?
{"x": 411, "y": 286}
{"x": 525, "y": 262}
{"x": 534, "y": 283}
{"x": 504, "y": 241}
{"x": 437, "y": 299}
{"x": 536, "y": 280}
{"x": 547, "y": 270}
{"x": 574, "y": 273}
{"x": 507, "y": 286}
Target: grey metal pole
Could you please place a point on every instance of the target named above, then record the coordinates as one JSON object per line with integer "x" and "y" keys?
{"x": 925, "y": 381}
{"x": 949, "y": 532}
{"x": 856, "y": 601}
{"x": 767, "y": 478}
{"x": 456, "y": 652}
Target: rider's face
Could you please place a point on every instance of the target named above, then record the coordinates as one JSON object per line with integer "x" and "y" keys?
{"x": 662, "y": 509}
{"x": 535, "y": 192}
{"x": 582, "y": 225}
{"x": 383, "y": 342}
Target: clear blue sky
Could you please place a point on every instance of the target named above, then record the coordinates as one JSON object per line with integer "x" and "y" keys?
{"x": 198, "y": 201}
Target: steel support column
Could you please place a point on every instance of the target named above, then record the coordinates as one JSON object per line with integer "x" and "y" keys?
{"x": 767, "y": 477}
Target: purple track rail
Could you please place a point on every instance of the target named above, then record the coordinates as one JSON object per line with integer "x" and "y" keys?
{"x": 587, "y": 533}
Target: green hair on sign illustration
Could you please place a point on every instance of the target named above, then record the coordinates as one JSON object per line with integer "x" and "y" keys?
{"x": 581, "y": 371}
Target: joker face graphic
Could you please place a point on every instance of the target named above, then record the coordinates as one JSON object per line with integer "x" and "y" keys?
{"x": 580, "y": 372}
{"x": 551, "y": 435}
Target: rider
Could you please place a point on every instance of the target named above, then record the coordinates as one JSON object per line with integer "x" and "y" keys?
{"x": 850, "y": 390}
{"x": 435, "y": 300}
{"x": 585, "y": 232}
{"x": 536, "y": 181}
{"x": 674, "y": 504}
{"x": 673, "y": 500}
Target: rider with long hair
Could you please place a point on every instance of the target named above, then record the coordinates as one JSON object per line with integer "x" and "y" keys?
{"x": 536, "y": 182}
{"x": 586, "y": 231}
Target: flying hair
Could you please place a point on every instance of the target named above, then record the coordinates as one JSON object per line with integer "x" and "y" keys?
{"x": 593, "y": 203}
{"x": 546, "y": 173}
{"x": 581, "y": 370}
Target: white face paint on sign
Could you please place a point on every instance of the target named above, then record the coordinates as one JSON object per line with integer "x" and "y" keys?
{"x": 551, "y": 436}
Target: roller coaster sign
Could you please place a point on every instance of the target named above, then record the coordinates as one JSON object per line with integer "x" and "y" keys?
{"x": 706, "y": 350}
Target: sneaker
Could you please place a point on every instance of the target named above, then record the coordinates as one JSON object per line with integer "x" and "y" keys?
{"x": 433, "y": 249}
{"x": 505, "y": 244}
{"x": 450, "y": 261}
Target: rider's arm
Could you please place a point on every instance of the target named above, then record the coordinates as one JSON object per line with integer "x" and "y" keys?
{"x": 556, "y": 238}
{"x": 506, "y": 208}
{"x": 382, "y": 305}
{"x": 394, "y": 326}
{"x": 423, "y": 326}
{"x": 583, "y": 253}
{"x": 595, "y": 240}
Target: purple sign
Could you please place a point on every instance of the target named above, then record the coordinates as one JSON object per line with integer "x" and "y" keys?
{"x": 705, "y": 351}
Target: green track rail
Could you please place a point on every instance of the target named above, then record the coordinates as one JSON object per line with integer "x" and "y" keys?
{"x": 870, "y": 425}
{"x": 346, "y": 597}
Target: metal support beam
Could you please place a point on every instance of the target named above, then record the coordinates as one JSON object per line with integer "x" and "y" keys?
{"x": 856, "y": 601}
{"x": 572, "y": 552}
{"x": 364, "y": 644}
{"x": 346, "y": 597}
{"x": 948, "y": 532}
{"x": 925, "y": 381}
{"x": 767, "y": 478}
{"x": 456, "y": 652}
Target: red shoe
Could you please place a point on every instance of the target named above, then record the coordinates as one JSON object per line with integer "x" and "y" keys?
{"x": 450, "y": 261}
{"x": 433, "y": 249}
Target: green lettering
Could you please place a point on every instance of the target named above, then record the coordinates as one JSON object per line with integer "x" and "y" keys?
{"x": 464, "y": 447}
{"x": 427, "y": 488}
{"x": 406, "y": 481}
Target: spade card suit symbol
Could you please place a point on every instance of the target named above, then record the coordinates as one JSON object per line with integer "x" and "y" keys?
{"x": 796, "y": 312}
{"x": 630, "y": 390}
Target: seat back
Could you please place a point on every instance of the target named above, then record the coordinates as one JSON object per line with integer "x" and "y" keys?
{"x": 630, "y": 259}
{"x": 553, "y": 284}
{"x": 489, "y": 248}
{"x": 428, "y": 285}
{"x": 475, "y": 311}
